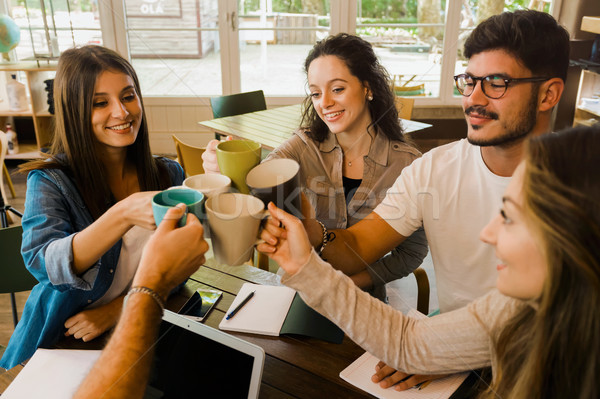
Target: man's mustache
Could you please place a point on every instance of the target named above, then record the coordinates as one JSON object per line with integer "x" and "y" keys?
{"x": 481, "y": 111}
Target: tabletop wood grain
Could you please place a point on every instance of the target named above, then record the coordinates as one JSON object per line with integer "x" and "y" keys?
{"x": 274, "y": 126}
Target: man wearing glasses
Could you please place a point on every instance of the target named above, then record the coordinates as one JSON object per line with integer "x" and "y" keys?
{"x": 515, "y": 76}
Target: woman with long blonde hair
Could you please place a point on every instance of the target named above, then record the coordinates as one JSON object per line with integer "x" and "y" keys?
{"x": 539, "y": 330}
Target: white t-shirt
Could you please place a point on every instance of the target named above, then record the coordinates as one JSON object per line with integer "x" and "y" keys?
{"x": 132, "y": 245}
{"x": 452, "y": 193}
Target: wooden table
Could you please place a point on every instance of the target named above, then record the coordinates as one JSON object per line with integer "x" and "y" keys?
{"x": 295, "y": 366}
{"x": 274, "y": 126}
{"x": 299, "y": 367}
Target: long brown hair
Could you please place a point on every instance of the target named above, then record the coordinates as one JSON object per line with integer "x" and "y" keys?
{"x": 73, "y": 148}
{"x": 360, "y": 58}
{"x": 554, "y": 352}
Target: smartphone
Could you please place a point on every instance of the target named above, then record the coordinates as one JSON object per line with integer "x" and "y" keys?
{"x": 200, "y": 303}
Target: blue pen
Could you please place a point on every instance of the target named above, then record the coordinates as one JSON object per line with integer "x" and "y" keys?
{"x": 241, "y": 305}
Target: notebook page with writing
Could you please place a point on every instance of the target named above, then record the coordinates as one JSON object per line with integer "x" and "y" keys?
{"x": 264, "y": 313}
{"x": 359, "y": 374}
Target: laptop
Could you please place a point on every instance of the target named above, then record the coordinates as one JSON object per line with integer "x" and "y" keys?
{"x": 191, "y": 360}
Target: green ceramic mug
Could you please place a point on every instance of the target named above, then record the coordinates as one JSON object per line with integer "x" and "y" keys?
{"x": 236, "y": 158}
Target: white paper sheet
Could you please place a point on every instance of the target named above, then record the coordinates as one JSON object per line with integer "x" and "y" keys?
{"x": 52, "y": 374}
{"x": 359, "y": 374}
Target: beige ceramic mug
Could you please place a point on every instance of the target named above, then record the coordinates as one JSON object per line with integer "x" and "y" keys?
{"x": 234, "y": 221}
{"x": 236, "y": 158}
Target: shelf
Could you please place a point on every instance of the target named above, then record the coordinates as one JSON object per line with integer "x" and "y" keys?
{"x": 28, "y": 66}
{"x": 585, "y": 122}
{"x": 43, "y": 122}
{"x": 26, "y": 151}
{"x": 5, "y": 112}
{"x": 588, "y": 110}
{"x": 591, "y": 24}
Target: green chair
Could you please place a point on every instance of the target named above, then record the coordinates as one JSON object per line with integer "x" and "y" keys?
{"x": 14, "y": 275}
{"x": 236, "y": 104}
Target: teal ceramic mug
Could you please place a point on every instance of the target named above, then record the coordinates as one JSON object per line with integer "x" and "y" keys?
{"x": 163, "y": 201}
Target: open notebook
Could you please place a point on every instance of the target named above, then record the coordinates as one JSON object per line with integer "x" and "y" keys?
{"x": 277, "y": 310}
{"x": 359, "y": 374}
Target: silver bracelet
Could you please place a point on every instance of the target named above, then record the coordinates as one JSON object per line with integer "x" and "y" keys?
{"x": 325, "y": 234}
{"x": 148, "y": 291}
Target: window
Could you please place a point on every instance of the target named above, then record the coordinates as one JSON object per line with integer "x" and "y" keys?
{"x": 50, "y": 26}
{"x": 203, "y": 48}
{"x": 274, "y": 41}
{"x": 214, "y": 47}
{"x": 411, "y": 38}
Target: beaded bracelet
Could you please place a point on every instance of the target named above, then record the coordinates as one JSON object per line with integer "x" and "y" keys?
{"x": 148, "y": 291}
{"x": 325, "y": 240}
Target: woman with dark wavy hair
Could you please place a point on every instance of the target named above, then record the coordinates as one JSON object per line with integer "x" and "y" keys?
{"x": 350, "y": 145}
{"x": 539, "y": 330}
{"x": 88, "y": 206}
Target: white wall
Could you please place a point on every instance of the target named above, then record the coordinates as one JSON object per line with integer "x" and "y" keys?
{"x": 179, "y": 116}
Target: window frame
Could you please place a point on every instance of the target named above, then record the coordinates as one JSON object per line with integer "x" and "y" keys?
{"x": 343, "y": 19}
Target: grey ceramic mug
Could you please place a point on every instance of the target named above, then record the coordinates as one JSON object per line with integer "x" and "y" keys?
{"x": 277, "y": 180}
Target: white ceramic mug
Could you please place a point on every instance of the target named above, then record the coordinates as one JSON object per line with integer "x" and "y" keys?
{"x": 208, "y": 184}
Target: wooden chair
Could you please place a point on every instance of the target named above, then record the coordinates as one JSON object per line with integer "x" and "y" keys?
{"x": 14, "y": 275}
{"x": 189, "y": 156}
{"x": 405, "y": 107}
{"x": 5, "y": 174}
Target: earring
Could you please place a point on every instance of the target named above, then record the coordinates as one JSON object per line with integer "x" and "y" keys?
{"x": 370, "y": 97}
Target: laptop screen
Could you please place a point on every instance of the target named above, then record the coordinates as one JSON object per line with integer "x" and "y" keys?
{"x": 189, "y": 362}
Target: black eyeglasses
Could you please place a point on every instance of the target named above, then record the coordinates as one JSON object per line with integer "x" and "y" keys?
{"x": 493, "y": 86}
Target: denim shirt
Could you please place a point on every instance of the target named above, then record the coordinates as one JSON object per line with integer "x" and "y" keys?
{"x": 54, "y": 213}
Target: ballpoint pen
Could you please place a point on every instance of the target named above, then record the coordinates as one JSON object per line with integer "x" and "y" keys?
{"x": 241, "y": 305}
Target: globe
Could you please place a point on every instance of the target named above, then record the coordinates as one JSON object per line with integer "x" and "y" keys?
{"x": 10, "y": 34}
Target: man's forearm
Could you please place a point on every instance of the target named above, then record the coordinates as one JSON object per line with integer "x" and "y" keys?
{"x": 352, "y": 250}
{"x": 362, "y": 280}
{"x": 123, "y": 367}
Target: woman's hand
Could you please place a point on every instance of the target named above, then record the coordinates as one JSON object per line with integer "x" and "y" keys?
{"x": 209, "y": 157}
{"x": 91, "y": 323}
{"x": 136, "y": 209}
{"x": 285, "y": 239}
{"x": 387, "y": 377}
